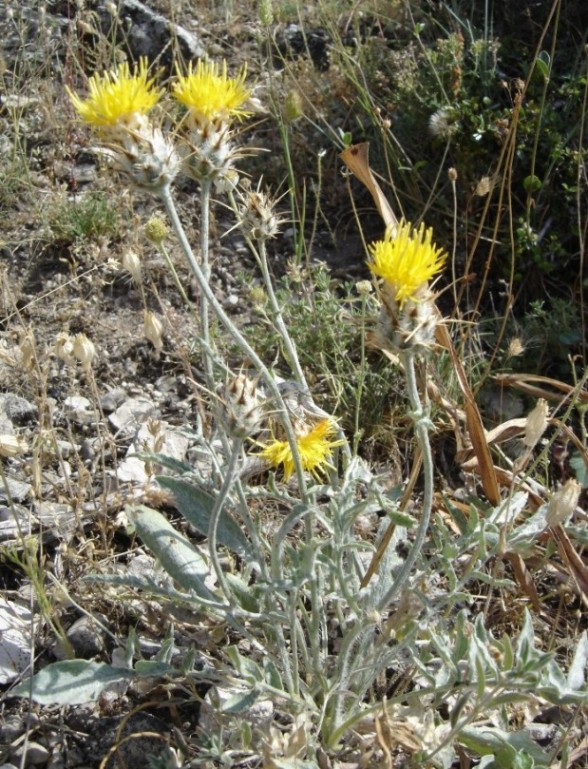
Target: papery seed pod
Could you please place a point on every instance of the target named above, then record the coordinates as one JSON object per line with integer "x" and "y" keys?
{"x": 84, "y": 350}
{"x": 536, "y": 423}
{"x": 28, "y": 352}
{"x": 64, "y": 348}
{"x": 563, "y": 503}
{"x": 243, "y": 406}
{"x": 12, "y": 446}
{"x": 153, "y": 329}
{"x": 131, "y": 262}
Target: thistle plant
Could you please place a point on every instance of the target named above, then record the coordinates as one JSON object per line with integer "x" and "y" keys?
{"x": 326, "y": 611}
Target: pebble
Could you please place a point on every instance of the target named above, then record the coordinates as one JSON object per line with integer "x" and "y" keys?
{"x": 36, "y": 754}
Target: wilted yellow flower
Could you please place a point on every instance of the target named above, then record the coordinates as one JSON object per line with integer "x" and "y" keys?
{"x": 209, "y": 94}
{"x": 117, "y": 97}
{"x": 406, "y": 261}
{"x": 315, "y": 448}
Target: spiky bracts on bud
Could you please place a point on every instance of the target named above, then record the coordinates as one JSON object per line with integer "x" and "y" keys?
{"x": 259, "y": 220}
{"x": 243, "y": 406}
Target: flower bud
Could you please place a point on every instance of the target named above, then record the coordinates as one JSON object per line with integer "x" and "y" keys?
{"x": 536, "y": 423}
{"x": 293, "y": 106}
{"x": 156, "y": 230}
{"x": 563, "y": 503}
{"x": 84, "y": 350}
{"x": 153, "y": 329}
{"x": 364, "y": 287}
{"x": 243, "y": 406}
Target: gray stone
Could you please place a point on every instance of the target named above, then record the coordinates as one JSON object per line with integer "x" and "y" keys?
{"x": 86, "y": 636}
{"x": 35, "y": 755}
{"x": 79, "y": 409}
{"x": 18, "y": 410}
{"x": 150, "y": 34}
{"x": 13, "y": 490}
{"x": 111, "y": 400}
{"x": 129, "y": 416}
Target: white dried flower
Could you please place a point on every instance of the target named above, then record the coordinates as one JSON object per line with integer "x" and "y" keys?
{"x": 153, "y": 329}
{"x": 442, "y": 123}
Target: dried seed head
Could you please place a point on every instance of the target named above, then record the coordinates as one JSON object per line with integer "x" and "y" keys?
{"x": 153, "y": 329}
{"x": 452, "y": 174}
{"x": 131, "y": 262}
{"x": 443, "y": 123}
{"x": 258, "y": 218}
{"x": 563, "y": 503}
{"x": 12, "y": 446}
{"x": 84, "y": 350}
{"x": 515, "y": 348}
{"x": 243, "y": 406}
{"x": 156, "y": 230}
{"x": 536, "y": 423}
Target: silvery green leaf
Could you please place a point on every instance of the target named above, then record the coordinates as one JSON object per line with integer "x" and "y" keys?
{"x": 196, "y": 506}
{"x": 71, "y": 682}
{"x": 577, "y": 671}
{"x": 170, "y": 463}
{"x": 178, "y": 556}
{"x": 504, "y": 745}
{"x": 240, "y": 702}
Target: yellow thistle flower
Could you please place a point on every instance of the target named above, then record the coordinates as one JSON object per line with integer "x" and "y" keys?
{"x": 116, "y": 96}
{"x": 407, "y": 260}
{"x": 315, "y": 448}
{"x": 209, "y": 94}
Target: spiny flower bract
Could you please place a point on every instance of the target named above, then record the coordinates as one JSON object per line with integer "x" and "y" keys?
{"x": 406, "y": 260}
{"x": 209, "y": 94}
{"x": 315, "y": 448}
{"x": 116, "y": 96}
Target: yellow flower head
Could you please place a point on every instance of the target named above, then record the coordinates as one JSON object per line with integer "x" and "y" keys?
{"x": 116, "y": 96}
{"x": 209, "y": 94}
{"x": 315, "y": 448}
{"x": 407, "y": 260}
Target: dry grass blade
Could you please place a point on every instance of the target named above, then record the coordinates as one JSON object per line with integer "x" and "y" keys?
{"x": 475, "y": 427}
{"x": 524, "y": 382}
{"x": 356, "y": 158}
{"x": 576, "y": 565}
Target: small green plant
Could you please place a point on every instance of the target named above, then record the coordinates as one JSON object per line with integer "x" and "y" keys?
{"x": 87, "y": 217}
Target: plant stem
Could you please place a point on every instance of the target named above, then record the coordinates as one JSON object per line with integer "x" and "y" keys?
{"x": 230, "y": 473}
{"x": 421, "y": 419}
{"x": 237, "y": 336}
